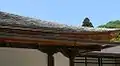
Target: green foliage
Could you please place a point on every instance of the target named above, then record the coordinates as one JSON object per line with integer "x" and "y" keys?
{"x": 87, "y": 23}
{"x": 111, "y": 24}
{"x": 117, "y": 38}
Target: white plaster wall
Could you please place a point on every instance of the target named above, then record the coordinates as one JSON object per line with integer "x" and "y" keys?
{"x": 61, "y": 60}
{"x": 28, "y": 57}
{"x": 22, "y": 57}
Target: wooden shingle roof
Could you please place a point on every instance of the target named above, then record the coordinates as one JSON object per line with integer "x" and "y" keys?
{"x": 7, "y": 19}
{"x": 19, "y": 29}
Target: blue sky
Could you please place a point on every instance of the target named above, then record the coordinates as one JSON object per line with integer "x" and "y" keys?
{"x": 71, "y": 12}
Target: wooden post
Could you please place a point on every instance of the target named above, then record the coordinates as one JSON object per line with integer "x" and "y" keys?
{"x": 50, "y": 52}
{"x": 50, "y": 59}
{"x": 85, "y": 60}
{"x": 70, "y": 53}
{"x": 99, "y": 63}
{"x": 71, "y": 61}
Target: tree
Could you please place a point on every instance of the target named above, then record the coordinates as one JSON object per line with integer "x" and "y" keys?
{"x": 87, "y": 23}
{"x": 111, "y": 24}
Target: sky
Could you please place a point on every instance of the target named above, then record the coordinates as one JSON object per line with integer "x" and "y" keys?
{"x": 70, "y": 12}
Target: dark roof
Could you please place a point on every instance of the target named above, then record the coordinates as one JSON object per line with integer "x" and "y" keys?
{"x": 108, "y": 52}
{"x": 7, "y": 19}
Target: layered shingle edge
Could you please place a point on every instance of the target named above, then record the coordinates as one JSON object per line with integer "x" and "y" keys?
{"x": 8, "y": 19}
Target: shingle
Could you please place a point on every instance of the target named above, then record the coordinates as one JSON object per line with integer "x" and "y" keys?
{"x": 7, "y": 19}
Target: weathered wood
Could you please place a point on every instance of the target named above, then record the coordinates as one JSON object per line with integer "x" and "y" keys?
{"x": 70, "y": 53}
{"x": 38, "y": 38}
{"x": 50, "y": 60}
{"x": 50, "y": 52}
{"x": 71, "y": 61}
{"x": 105, "y": 35}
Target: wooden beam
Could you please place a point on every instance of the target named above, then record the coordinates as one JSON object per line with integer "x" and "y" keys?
{"x": 47, "y": 41}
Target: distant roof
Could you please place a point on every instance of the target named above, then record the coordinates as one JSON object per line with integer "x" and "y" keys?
{"x": 108, "y": 52}
{"x": 7, "y": 19}
{"x": 115, "y": 50}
